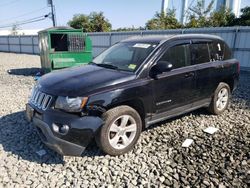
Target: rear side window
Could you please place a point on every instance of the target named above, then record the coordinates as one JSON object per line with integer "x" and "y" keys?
{"x": 178, "y": 55}
{"x": 216, "y": 51}
{"x": 199, "y": 53}
{"x": 219, "y": 51}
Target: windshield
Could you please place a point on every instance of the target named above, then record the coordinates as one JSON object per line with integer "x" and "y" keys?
{"x": 127, "y": 56}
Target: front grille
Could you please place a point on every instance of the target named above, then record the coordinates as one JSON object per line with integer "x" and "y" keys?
{"x": 40, "y": 99}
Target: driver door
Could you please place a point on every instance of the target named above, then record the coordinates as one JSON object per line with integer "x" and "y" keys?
{"x": 175, "y": 88}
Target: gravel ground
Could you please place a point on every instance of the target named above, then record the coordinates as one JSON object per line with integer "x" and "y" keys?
{"x": 219, "y": 160}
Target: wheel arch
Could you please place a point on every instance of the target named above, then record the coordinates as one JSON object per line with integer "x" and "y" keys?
{"x": 230, "y": 82}
{"x": 136, "y": 104}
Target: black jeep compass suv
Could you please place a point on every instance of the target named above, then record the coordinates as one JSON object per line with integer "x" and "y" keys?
{"x": 133, "y": 84}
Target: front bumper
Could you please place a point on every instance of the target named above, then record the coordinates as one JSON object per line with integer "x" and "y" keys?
{"x": 80, "y": 133}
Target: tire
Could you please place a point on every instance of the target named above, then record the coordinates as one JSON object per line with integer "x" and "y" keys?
{"x": 221, "y": 96}
{"x": 112, "y": 138}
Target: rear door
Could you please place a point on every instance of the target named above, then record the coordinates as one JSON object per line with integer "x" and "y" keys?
{"x": 206, "y": 55}
{"x": 175, "y": 88}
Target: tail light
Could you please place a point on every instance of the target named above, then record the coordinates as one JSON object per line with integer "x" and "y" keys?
{"x": 238, "y": 67}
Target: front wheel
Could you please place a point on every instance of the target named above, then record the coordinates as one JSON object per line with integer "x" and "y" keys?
{"x": 120, "y": 131}
{"x": 220, "y": 100}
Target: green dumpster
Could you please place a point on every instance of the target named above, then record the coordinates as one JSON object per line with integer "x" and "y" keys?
{"x": 62, "y": 47}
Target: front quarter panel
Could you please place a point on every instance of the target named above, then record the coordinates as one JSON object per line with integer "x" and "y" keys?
{"x": 138, "y": 90}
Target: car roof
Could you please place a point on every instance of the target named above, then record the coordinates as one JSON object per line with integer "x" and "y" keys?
{"x": 164, "y": 38}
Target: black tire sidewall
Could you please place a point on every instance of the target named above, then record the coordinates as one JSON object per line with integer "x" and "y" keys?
{"x": 109, "y": 117}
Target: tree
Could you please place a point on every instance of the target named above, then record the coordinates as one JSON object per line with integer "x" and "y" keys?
{"x": 99, "y": 23}
{"x": 80, "y": 21}
{"x": 129, "y": 29}
{"x": 94, "y": 22}
{"x": 163, "y": 21}
{"x": 199, "y": 15}
{"x": 222, "y": 18}
{"x": 244, "y": 19}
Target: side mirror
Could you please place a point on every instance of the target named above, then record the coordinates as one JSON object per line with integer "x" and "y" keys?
{"x": 162, "y": 66}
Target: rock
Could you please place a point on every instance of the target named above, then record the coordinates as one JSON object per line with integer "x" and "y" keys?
{"x": 206, "y": 182}
{"x": 221, "y": 185}
{"x": 169, "y": 169}
{"x": 167, "y": 182}
{"x": 244, "y": 162}
{"x": 211, "y": 172}
{"x": 176, "y": 176}
{"x": 162, "y": 179}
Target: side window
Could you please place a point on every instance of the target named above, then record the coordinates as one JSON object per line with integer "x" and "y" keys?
{"x": 216, "y": 49}
{"x": 178, "y": 55}
{"x": 219, "y": 51}
{"x": 199, "y": 53}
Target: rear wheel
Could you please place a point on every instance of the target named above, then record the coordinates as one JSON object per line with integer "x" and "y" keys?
{"x": 220, "y": 100}
{"x": 120, "y": 131}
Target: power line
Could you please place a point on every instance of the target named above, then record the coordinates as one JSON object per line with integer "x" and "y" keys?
{"x": 24, "y": 23}
{"x": 32, "y": 20}
{"x": 22, "y": 15}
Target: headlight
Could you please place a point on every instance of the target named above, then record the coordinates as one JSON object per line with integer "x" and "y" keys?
{"x": 71, "y": 104}
{"x": 31, "y": 93}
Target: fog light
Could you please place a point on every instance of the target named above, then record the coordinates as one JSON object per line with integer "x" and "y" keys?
{"x": 64, "y": 129}
{"x": 61, "y": 129}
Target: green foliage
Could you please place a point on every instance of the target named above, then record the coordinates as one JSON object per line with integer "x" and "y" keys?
{"x": 94, "y": 22}
{"x": 99, "y": 23}
{"x": 199, "y": 15}
{"x": 200, "y": 11}
{"x": 222, "y": 18}
{"x": 244, "y": 19}
{"x": 80, "y": 21}
{"x": 163, "y": 21}
{"x": 129, "y": 29}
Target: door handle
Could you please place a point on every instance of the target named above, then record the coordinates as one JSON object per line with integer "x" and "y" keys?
{"x": 190, "y": 74}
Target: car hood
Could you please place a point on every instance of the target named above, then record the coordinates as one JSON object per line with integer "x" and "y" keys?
{"x": 79, "y": 81}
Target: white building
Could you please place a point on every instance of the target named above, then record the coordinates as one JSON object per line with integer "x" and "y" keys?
{"x": 20, "y": 32}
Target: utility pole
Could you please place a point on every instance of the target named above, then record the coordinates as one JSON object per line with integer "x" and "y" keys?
{"x": 53, "y": 14}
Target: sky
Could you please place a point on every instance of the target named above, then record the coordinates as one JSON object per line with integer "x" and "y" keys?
{"x": 121, "y": 13}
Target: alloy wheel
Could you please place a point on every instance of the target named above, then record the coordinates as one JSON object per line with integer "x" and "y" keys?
{"x": 222, "y": 100}
{"x": 122, "y": 132}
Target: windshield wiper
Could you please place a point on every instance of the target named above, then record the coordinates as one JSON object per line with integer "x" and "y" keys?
{"x": 107, "y": 66}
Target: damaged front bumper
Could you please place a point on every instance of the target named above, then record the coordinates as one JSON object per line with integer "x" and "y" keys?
{"x": 65, "y": 133}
